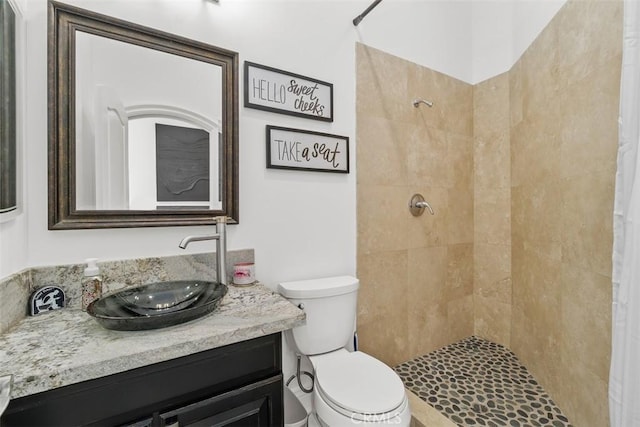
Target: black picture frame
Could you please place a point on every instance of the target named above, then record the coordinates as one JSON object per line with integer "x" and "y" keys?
{"x": 283, "y": 92}
{"x": 64, "y": 22}
{"x": 306, "y": 150}
{"x": 8, "y": 108}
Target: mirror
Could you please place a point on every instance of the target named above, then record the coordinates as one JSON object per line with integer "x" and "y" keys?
{"x": 8, "y": 112}
{"x": 142, "y": 128}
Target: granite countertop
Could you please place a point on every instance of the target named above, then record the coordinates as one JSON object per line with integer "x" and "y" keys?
{"x": 68, "y": 346}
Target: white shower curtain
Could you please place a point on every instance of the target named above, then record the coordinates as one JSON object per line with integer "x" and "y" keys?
{"x": 624, "y": 380}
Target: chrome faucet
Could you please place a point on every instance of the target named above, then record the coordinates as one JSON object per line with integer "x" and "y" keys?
{"x": 221, "y": 247}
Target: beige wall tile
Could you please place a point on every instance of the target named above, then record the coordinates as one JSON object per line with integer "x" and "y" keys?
{"x": 587, "y": 221}
{"x": 582, "y": 396}
{"x": 460, "y": 318}
{"x": 536, "y": 283}
{"x": 589, "y": 138}
{"x": 382, "y": 218}
{"x": 460, "y": 161}
{"x": 385, "y": 339}
{"x": 539, "y": 350}
{"x": 381, "y": 151}
{"x": 379, "y": 92}
{"x": 459, "y": 282}
{"x": 492, "y": 160}
{"x": 428, "y": 330}
{"x": 591, "y": 32}
{"x": 535, "y": 151}
{"x": 460, "y": 224}
{"x": 383, "y": 285}
{"x": 439, "y": 159}
{"x": 515, "y": 94}
{"x": 492, "y": 215}
{"x": 427, "y": 299}
{"x": 539, "y": 73}
{"x": 492, "y": 320}
{"x": 491, "y": 112}
{"x": 427, "y": 278}
{"x": 492, "y": 273}
{"x": 382, "y": 305}
{"x": 536, "y": 212}
{"x": 427, "y": 157}
{"x": 586, "y": 324}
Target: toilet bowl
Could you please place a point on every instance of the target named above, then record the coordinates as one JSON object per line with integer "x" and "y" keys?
{"x": 357, "y": 389}
{"x": 350, "y": 388}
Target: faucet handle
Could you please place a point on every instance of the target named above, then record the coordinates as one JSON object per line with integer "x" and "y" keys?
{"x": 417, "y": 204}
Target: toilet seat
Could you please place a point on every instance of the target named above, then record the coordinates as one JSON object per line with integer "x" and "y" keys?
{"x": 357, "y": 385}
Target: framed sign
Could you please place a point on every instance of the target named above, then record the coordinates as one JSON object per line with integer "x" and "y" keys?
{"x": 278, "y": 91}
{"x": 305, "y": 150}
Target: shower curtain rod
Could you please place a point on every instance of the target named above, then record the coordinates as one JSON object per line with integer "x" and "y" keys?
{"x": 360, "y": 17}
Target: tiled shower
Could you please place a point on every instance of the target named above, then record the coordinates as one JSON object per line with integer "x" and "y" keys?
{"x": 520, "y": 172}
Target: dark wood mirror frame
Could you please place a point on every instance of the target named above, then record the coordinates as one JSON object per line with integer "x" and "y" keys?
{"x": 64, "y": 21}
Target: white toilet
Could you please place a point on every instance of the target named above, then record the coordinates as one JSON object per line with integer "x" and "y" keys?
{"x": 350, "y": 388}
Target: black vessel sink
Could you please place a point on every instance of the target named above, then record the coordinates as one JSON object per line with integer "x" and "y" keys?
{"x": 157, "y": 305}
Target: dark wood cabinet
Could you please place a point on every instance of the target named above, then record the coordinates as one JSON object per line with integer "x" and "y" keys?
{"x": 234, "y": 385}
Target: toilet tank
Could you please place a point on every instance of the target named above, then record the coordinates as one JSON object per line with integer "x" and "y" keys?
{"x": 330, "y": 306}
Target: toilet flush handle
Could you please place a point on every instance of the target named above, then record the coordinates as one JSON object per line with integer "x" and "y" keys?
{"x": 301, "y": 306}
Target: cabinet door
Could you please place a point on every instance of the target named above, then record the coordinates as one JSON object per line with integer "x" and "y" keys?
{"x": 258, "y": 404}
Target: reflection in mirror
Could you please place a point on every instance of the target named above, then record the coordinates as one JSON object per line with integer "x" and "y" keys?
{"x": 146, "y": 138}
{"x": 143, "y": 125}
{"x": 8, "y": 117}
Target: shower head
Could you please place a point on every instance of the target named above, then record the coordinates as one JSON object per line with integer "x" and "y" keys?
{"x": 418, "y": 101}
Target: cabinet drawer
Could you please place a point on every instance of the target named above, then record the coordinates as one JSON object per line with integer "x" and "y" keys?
{"x": 259, "y": 404}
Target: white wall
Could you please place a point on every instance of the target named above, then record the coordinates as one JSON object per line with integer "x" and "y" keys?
{"x": 470, "y": 40}
{"x": 433, "y": 33}
{"x": 13, "y": 246}
{"x": 503, "y": 30}
{"x": 492, "y": 41}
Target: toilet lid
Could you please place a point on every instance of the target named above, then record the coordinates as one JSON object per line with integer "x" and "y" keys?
{"x": 360, "y": 383}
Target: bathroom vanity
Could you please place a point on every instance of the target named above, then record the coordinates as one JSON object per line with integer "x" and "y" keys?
{"x": 223, "y": 369}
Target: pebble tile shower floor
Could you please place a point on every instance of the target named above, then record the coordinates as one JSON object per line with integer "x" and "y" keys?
{"x": 475, "y": 382}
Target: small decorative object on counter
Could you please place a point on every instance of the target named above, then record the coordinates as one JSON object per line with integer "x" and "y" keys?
{"x": 46, "y": 299}
{"x": 91, "y": 283}
{"x": 244, "y": 274}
